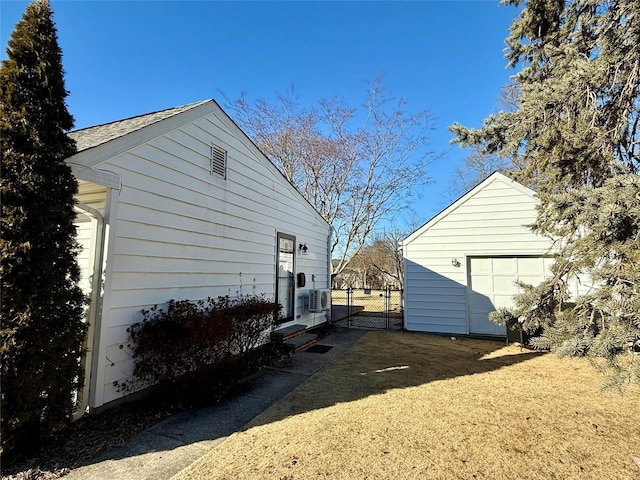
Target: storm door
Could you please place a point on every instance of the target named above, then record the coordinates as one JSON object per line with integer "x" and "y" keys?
{"x": 285, "y": 285}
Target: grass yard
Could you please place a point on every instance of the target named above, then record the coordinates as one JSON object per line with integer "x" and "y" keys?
{"x": 373, "y": 302}
{"x": 414, "y": 406}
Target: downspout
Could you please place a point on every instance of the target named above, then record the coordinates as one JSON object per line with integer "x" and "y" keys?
{"x": 94, "y": 313}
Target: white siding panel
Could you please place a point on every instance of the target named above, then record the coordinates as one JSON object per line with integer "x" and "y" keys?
{"x": 111, "y": 393}
{"x": 235, "y": 237}
{"x": 179, "y": 280}
{"x": 119, "y": 353}
{"x": 431, "y": 309}
{"x": 127, "y": 304}
{"x": 435, "y": 324}
{"x": 115, "y": 373}
{"x": 84, "y": 236}
{"x": 132, "y": 263}
{"x": 144, "y": 249}
{"x": 211, "y": 223}
{"x": 135, "y": 208}
{"x": 118, "y": 334}
{"x": 92, "y": 195}
{"x": 490, "y": 221}
{"x": 181, "y": 233}
{"x": 446, "y": 295}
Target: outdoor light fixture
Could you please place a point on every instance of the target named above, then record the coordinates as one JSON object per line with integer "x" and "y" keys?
{"x": 455, "y": 262}
{"x": 304, "y": 250}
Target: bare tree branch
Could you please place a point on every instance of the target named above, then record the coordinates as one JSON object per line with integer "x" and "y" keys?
{"x": 357, "y": 167}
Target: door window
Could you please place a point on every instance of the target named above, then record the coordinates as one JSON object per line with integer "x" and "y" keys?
{"x": 285, "y": 285}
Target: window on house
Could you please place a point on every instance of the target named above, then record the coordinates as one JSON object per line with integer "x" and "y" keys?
{"x": 218, "y": 165}
{"x": 285, "y": 284}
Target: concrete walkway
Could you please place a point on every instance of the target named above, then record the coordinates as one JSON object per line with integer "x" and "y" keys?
{"x": 173, "y": 444}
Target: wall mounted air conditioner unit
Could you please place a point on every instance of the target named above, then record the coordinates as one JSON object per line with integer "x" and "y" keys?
{"x": 319, "y": 300}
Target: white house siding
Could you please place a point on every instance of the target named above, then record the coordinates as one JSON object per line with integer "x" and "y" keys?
{"x": 92, "y": 195}
{"x": 84, "y": 236}
{"x": 490, "y": 221}
{"x": 179, "y": 232}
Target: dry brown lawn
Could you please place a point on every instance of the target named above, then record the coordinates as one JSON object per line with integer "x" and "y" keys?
{"x": 414, "y": 406}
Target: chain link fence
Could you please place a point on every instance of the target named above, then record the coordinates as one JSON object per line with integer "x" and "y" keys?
{"x": 368, "y": 308}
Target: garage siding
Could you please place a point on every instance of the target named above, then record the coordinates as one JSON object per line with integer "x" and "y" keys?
{"x": 489, "y": 221}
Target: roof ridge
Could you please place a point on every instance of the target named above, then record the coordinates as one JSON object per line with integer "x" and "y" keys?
{"x": 95, "y": 135}
{"x": 189, "y": 105}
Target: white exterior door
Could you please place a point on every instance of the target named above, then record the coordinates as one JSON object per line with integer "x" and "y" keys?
{"x": 491, "y": 285}
{"x": 285, "y": 285}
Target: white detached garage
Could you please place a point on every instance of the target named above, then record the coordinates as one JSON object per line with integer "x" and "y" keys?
{"x": 463, "y": 263}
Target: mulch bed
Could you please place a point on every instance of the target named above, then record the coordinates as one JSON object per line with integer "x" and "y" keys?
{"x": 86, "y": 438}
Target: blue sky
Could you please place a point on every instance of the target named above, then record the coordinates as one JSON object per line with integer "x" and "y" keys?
{"x": 128, "y": 58}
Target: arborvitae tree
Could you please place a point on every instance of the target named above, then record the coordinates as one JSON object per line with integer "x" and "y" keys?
{"x": 42, "y": 326}
{"x": 576, "y": 133}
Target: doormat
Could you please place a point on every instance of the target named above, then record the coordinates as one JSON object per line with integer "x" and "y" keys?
{"x": 319, "y": 348}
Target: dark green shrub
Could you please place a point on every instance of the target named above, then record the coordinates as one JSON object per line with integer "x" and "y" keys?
{"x": 42, "y": 314}
{"x": 190, "y": 342}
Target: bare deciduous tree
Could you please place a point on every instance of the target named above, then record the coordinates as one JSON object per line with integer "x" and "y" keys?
{"x": 482, "y": 161}
{"x": 355, "y": 166}
{"x": 389, "y": 261}
{"x": 477, "y": 166}
{"x": 378, "y": 264}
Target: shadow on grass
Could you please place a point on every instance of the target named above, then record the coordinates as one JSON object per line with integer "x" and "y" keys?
{"x": 384, "y": 361}
{"x": 163, "y": 420}
{"x": 360, "y": 364}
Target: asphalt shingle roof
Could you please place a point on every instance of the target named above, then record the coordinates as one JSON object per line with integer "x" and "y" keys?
{"x": 90, "y": 137}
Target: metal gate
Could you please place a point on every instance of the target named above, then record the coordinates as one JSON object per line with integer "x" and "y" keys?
{"x": 368, "y": 308}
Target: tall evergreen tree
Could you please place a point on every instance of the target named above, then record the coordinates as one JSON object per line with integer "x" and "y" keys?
{"x": 575, "y": 130}
{"x": 42, "y": 325}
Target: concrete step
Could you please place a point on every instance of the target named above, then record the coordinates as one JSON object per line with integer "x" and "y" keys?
{"x": 301, "y": 342}
{"x": 283, "y": 334}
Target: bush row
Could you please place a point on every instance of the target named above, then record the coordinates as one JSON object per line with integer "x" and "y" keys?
{"x": 189, "y": 342}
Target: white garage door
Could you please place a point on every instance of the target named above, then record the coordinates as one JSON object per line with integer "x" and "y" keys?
{"x": 492, "y": 285}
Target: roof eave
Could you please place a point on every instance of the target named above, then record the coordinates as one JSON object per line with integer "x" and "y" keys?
{"x": 95, "y": 155}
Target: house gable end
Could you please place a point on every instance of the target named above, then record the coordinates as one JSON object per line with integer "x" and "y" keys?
{"x": 233, "y": 128}
{"x": 104, "y": 142}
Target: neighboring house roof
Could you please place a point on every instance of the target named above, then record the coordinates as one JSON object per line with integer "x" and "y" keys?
{"x": 464, "y": 198}
{"x": 90, "y": 137}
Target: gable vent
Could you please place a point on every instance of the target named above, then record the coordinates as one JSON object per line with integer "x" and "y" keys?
{"x": 218, "y": 161}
